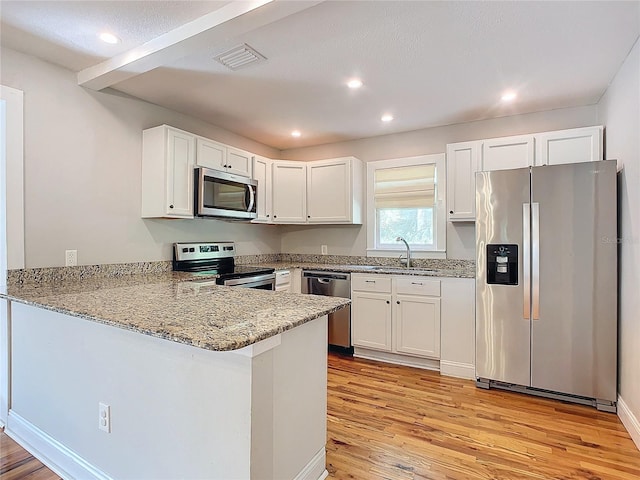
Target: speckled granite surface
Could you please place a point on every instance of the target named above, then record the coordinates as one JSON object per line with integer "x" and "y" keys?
{"x": 452, "y": 268}
{"x": 149, "y": 298}
{"x": 165, "y": 305}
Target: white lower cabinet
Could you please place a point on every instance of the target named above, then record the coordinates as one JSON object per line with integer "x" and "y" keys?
{"x": 371, "y": 320}
{"x": 417, "y": 325}
{"x": 396, "y": 314}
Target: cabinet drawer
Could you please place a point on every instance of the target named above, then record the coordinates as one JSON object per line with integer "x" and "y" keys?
{"x": 410, "y": 285}
{"x": 371, "y": 283}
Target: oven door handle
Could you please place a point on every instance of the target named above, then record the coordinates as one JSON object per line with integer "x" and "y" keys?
{"x": 252, "y": 198}
{"x": 257, "y": 279}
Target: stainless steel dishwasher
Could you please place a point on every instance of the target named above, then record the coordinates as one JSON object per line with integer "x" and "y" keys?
{"x": 332, "y": 284}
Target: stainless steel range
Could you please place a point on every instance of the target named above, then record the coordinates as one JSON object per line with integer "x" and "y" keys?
{"x": 217, "y": 259}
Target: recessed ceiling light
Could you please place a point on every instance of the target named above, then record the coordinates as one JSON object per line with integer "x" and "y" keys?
{"x": 110, "y": 38}
{"x": 354, "y": 83}
{"x": 296, "y": 133}
{"x": 509, "y": 96}
{"x": 387, "y": 117}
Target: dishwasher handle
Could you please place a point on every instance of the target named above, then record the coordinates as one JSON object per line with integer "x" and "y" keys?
{"x": 325, "y": 277}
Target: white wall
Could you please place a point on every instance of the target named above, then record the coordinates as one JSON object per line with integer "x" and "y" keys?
{"x": 619, "y": 110}
{"x": 460, "y": 238}
{"x": 82, "y": 173}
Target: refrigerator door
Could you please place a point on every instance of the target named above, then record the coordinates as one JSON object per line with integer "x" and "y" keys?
{"x": 502, "y": 321}
{"x": 574, "y": 326}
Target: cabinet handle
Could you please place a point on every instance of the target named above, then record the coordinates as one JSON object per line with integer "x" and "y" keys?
{"x": 398, "y": 302}
{"x": 388, "y": 302}
{"x": 308, "y": 216}
{"x": 170, "y": 206}
{"x": 416, "y": 283}
{"x": 267, "y": 215}
{"x": 275, "y": 216}
{"x": 369, "y": 281}
{"x": 451, "y": 212}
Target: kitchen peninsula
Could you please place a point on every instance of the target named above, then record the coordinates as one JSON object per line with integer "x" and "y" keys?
{"x": 194, "y": 382}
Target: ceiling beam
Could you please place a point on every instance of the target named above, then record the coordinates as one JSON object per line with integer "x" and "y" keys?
{"x": 232, "y": 20}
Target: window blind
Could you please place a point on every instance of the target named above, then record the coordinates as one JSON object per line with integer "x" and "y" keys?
{"x": 405, "y": 187}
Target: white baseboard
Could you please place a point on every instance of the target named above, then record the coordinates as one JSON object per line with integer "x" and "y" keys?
{"x": 630, "y": 421}
{"x": 316, "y": 468}
{"x": 64, "y": 462}
{"x": 457, "y": 369}
{"x": 406, "y": 360}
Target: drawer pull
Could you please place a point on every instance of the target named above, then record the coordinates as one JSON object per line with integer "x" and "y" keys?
{"x": 416, "y": 283}
{"x": 369, "y": 281}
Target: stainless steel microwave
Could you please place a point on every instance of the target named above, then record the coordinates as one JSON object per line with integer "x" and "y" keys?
{"x": 221, "y": 194}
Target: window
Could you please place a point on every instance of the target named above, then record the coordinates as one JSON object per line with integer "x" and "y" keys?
{"x": 405, "y": 200}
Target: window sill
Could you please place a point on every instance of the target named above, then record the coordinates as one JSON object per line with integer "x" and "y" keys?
{"x": 372, "y": 252}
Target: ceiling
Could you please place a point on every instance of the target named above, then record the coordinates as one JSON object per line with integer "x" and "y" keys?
{"x": 426, "y": 63}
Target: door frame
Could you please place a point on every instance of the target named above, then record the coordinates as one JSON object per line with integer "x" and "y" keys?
{"x": 12, "y": 249}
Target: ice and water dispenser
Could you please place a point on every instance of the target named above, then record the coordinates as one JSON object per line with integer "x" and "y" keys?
{"x": 502, "y": 264}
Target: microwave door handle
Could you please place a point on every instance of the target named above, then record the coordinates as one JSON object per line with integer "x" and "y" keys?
{"x": 252, "y": 198}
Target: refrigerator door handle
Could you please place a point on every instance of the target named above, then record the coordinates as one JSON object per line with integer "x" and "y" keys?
{"x": 535, "y": 260}
{"x": 526, "y": 259}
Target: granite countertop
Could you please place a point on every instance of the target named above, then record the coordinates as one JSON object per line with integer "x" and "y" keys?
{"x": 456, "y": 271}
{"x": 168, "y": 306}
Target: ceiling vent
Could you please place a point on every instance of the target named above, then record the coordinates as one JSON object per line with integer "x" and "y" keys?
{"x": 239, "y": 57}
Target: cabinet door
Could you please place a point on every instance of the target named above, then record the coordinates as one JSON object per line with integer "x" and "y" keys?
{"x": 569, "y": 146}
{"x": 239, "y": 162}
{"x": 211, "y": 154}
{"x": 463, "y": 161}
{"x": 371, "y": 320}
{"x": 507, "y": 152}
{"x": 262, "y": 173}
{"x": 417, "y": 325}
{"x": 289, "y": 182}
{"x": 180, "y": 160}
{"x": 329, "y": 198}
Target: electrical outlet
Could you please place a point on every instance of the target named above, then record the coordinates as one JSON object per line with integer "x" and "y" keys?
{"x": 104, "y": 417}
{"x": 70, "y": 258}
{"x": 323, "y": 249}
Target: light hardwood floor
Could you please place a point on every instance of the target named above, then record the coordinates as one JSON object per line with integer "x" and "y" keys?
{"x": 391, "y": 422}
{"x": 16, "y": 463}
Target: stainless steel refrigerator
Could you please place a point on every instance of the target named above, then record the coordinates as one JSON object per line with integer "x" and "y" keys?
{"x": 546, "y": 283}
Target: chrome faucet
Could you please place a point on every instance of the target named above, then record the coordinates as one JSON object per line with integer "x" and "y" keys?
{"x": 400, "y": 239}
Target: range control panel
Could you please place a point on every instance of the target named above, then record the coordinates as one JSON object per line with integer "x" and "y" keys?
{"x": 203, "y": 251}
{"x": 502, "y": 264}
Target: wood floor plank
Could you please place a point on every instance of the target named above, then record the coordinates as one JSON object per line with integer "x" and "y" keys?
{"x": 18, "y": 464}
{"x": 394, "y": 422}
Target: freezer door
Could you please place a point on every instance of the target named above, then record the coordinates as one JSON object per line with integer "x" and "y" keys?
{"x": 574, "y": 326}
{"x": 502, "y": 321}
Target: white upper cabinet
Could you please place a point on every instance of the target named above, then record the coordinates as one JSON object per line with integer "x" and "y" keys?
{"x": 569, "y": 146}
{"x": 546, "y": 148}
{"x": 168, "y": 157}
{"x": 222, "y": 157}
{"x": 334, "y": 191}
{"x": 211, "y": 154}
{"x": 262, "y": 173}
{"x": 463, "y": 161}
{"x": 239, "y": 162}
{"x": 289, "y": 183}
{"x": 507, "y": 152}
